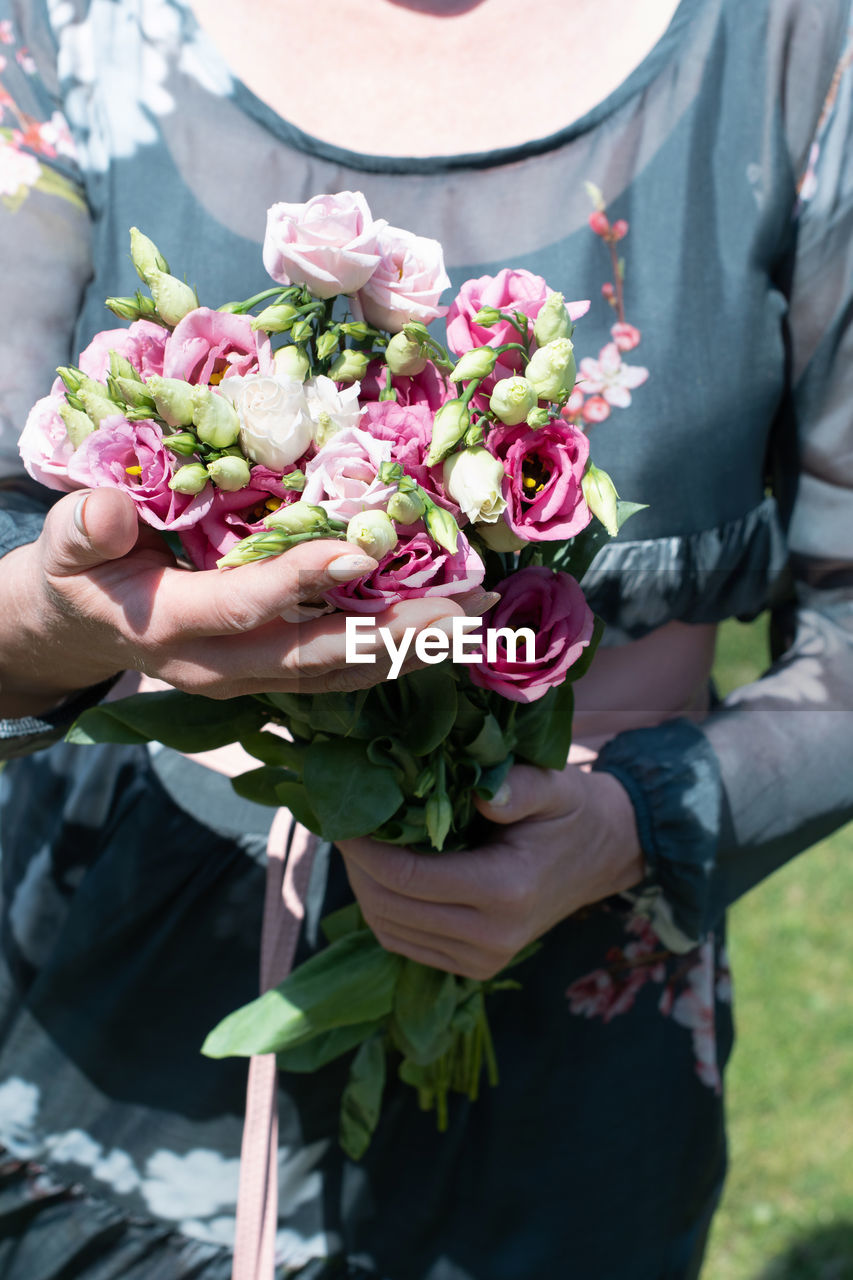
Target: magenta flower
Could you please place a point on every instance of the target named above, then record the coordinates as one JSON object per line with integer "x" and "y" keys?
{"x": 143, "y": 344}
{"x": 542, "y": 485}
{"x": 409, "y": 430}
{"x": 207, "y": 346}
{"x": 130, "y": 456}
{"x": 610, "y": 377}
{"x": 417, "y": 567}
{"x": 427, "y": 388}
{"x": 553, "y": 606}
{"x": 232, "y": 516}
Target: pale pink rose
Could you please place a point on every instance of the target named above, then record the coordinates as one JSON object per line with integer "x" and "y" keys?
{"x": 207, "y": 346}
{"x": 416, "y": 567}
{"x": 542, "y": 482}
{"x": 554, "y": 607}
{"x": 233, "y": 516}
{"x": 407, "y": 282}
{"x": 44, "y": 445}
{"x": 143, "y": 343}
{"x": 109, "y": 457}
{"x": 626, "y": 336}
{"x": 342, "y": 477}
{"x": 329, "y": 244}
{"x": 610, "y": 377}
{"x": 510, "y": 290}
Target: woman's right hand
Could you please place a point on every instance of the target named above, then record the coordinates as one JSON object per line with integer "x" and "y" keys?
{"x": 96, "y": 595}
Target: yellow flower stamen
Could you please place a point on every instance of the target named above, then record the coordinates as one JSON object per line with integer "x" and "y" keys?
{"x": 133, "y": 471}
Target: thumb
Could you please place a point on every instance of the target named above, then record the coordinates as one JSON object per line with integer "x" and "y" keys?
{"x": 529, "y": 792}
{"x": 85, "y": 529}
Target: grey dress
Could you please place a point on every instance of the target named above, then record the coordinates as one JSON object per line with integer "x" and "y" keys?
{"x": 130, "y": 924}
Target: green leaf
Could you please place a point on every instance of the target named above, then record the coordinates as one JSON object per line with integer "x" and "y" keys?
{"x": 544, "y": 729}
{"x": 293, "y": 796}
{"x": 350, "y": 796}
{"x": 491, "y": 780}
{"x": 341, "y": 923}
{"x": 336, "y": 713}
{"x": 489, "y": 746}
{"x": 313, "y": 1054}
{"x": 424, "y": 1003}
{"x": 272, "y": 748}
{"x": 185, "y": 721}
{"x": 362, "y": 1098}
{"x": 624, "y": 510}
{"x": 260, "y": 785}
{"x": 349, "y": 982}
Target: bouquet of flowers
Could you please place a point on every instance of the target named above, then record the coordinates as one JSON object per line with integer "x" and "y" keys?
{"x": 324, "y": 408}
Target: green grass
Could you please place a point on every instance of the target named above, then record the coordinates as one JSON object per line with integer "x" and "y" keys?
{"x": 787, "y": 1212}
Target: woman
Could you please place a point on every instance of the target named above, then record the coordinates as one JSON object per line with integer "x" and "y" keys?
{"x": 132, "y": 926}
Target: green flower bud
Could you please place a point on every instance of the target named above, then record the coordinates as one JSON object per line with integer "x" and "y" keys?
{"x": 130, "y": 392}
{"x": 122, "y": 368}
{"x": 601, "y": 497}
{"x": 553, "y": 320}
{"x": 374, "y": 532}
{"x": 551, "y": 370}
{"x": 229, "y": 473}
{"x": 538, "y": 418}
{"x": 145, "y": 256}
{"x": 499, "y": 537}
{"x": 73, "y": 377}
{"x": 327, "y": 344}
{"x": 137, "y": 308}
{"x": 299, "y": 517}
{"x": 390, "y": 471}
{"x": 512, "y": 400}
{"x": 216, "y": 420}
{"x": 292, "y": 362}
{"x": 442, "y": 528}
{"x": 449, "y": 426}
{"x": 189, "y": 479}
{"x": 172, "y": 298}
{"x": 356, "y": 329}
{"x": 275, "y": 319}
{"x": 473, "y": 478}
{"x": 487, "y": 316}
{"x": 173, "y": 400}
{"x": 405, "y": 508}
{"x": 97, "y": 403}
{"x": 474, "y": 435}
{"x": 300, "y": 330}
{"x": 477, "y": 363}
{"x": 78, "y": 425}
{"x": 182, "y": 443}
{"x": 405, "y": 356}
{"x": 350, "y": 366}
{"x": 439, "y": 818}
{"x": 295, "y": 480}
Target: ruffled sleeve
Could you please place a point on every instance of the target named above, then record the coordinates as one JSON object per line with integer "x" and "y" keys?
{"x": 768, "y": 773}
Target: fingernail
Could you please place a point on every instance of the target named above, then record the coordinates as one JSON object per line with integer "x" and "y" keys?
{"x": 476, "y": 608}
{"x": 79, "y": 522}
{"x": 306, "y": 612}
{"x": 501, "y": 796}
{"x": 345, "y": 568}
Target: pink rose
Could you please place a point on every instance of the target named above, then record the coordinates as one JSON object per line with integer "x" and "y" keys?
{"x": 328, "y": 244}
{"x": 44, "y": 445}
{"x": 427, "y": 388}
{"x": 342, "y": 477}
{"x": 130, "y": 456}
{"x": 233, "y": 516}
{"x": 416, "y": 567}
{"x": 510, "y": 290}
{"x": 407, "y": 283}
{"x": 143, "y": 344}
{"x": 207, "y": 346}
{"x": 542, "y": 484}
{"x": 552, "y": 605}
{"x": 408, "y": 428}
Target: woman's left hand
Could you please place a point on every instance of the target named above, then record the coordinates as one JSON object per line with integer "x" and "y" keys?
{"x": 567, "y": 839}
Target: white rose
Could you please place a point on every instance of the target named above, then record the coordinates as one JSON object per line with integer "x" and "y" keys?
{"x": 473, "y": 480}
{"x": 275, "y": 426}
{"x": 331, "y": 410}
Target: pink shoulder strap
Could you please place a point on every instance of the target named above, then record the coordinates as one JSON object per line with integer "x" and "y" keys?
{"x": 290, "y": 853}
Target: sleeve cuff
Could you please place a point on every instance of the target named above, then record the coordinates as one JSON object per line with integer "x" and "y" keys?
{"x": 31, "y": 733}
{"x": 673, "y": 779}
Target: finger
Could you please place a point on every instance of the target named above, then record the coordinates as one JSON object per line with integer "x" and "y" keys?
{"x": 86, "y": 529}
{"x": 529, "y": 792}
{"x": 454, "y": 879}
{"x": 384, "y": 907}
{"x": 463, "y": 961}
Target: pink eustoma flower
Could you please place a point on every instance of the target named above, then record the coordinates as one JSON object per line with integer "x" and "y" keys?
{"x": 143, "y": 344}
{"x": 553, "y": 606}
{"x": 329, "y": 244}
{"x": 343, "y": 478}
{"x": 233, "y": 516}
{"x": 408, "y": 428}
{"x": 207, "y": 346}
{"x": 542, "y": 485}
{"x": 44, "y": 445}
{"x": 130, "y": 456}
{"x": 417, "y": 567}
{"x": 407, "y": 283}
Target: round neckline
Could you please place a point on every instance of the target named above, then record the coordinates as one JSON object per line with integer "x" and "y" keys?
{"x": 641, "y": 76}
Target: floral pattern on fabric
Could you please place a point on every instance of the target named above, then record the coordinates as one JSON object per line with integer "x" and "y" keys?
{"x": 691, "y": 989}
